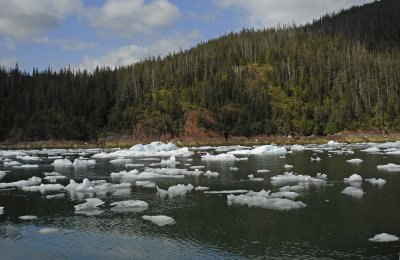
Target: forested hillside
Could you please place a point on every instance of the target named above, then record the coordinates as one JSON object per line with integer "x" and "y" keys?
{"x": 340, "y": 73}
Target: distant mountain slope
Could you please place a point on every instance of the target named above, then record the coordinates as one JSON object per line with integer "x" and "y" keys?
{"x": 340, "y": 73}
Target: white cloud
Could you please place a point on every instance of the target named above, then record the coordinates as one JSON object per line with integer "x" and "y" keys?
{"x": 130, "y": 54}
{"x": 126, "y": 17}
{"x": 21, "y": 19}
{"x": 268, "y": 13}
{"x": 8, "y": 62}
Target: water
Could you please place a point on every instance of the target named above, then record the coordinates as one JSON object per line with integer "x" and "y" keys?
{"x": 332, "y": 226}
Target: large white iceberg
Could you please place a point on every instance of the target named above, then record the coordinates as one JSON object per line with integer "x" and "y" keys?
{"x": 62, "y": 163}
{"x": 129, "y": 206}
{"x": 355, "y": 161}
{"x": 264, "y": 199}
{"x": 178, "y": 190}
{"x": 83, "y": 163}
{"x": 160, "y": 220}
{"x": 384, "y": 237}
{"x": 264, "y": 149}
{"x": 390, "y": 167}
{"x": 23, "y": 183}
{"x": 353, "y": 192}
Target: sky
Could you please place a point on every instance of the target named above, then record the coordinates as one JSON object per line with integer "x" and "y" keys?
{"x": 85, "y": 34}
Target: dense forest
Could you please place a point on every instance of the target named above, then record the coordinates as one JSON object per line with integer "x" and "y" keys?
{"x": 341, "y": 72}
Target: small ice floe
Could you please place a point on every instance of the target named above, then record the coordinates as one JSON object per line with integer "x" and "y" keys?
{"x": 52, "y": 177}
{"x": 354, "y": 180}
{"x": 264, "y": 199}
{"x": 1, "y": 210}
{"x": 292, "y": 188}
{"x": 264, "y": 149}
{"x": 28, "y": 158}
{"x": 251, "y": 178}
{"x": 82, "y": 163}
{"x": 290, "y": 177}
{"x": 23, "y": 183}
{"x": 233, "y": 168}
{"x": 288, "y": 166}
{"x": 90, "y": 207}
{"x": 371, "y": 150}
{"x": 28, "y": 217}
{"x": 85, "y": 186}
{"x": 226, "y": 192}
{"x": 342, "y": 151}
{"x": 297, "y": 148}
{"x": 43, "y": 188}
{"x": 58, "y": 163}
{"x": 160, "y": 220}
{"x": 54, "y": 157}
{"x": 390, "y": 167}
{"x": 355, "y": 161}
{"x": 171, "y": 162}
{"x": 121, "y": 161}
{"x": 178, "y": 190}
{"x": 378, "y": 182}
{"x": 55, "y": 196}
{"x": 263, "y": 171}
{"x": 134, "y": 165}
{"x": 11, "y": 163}
{"x": 219, "y": 157}
{"x": 211, "y": 174}
{"x": 47, "y": 231}
{"x": 2, "y": 174}
{"x": 26, "y": 166}
{"x": 332, "y": 143}
{"x": 197, "y": 167}
{"x": 353, "y": 192}
{"x": 201, "y": 188}
{"x": 315, "y": 159}
{"x": 129, "y": 206}
{"x": 384, "y": 237}
{"x": 393, "y": 152}
{"x": 145, "y": 184}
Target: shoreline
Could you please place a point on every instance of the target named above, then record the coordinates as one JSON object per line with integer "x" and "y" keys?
{"x": 195, "y": 142}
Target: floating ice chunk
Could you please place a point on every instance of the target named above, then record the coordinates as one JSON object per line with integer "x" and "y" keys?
{"x": 85, "y": 187}
{"x": 315, "y": 159}
{"x": 134, "y": 165}
{"x": 390, "y": 167}
{"x": 292, "y": 188}
{"x": 211, "y": 174}
{"x": 297, "y": 148}
{"x": 83, "y": 163}
{"x": 394, "y": 152}
{"x": 11, "y": 153}
{"x": 197, "y": 167}
{"x": 219, "y": 157}
{"x": 200, "y": 188}
{"x": 62, "y": 163}
{"x": 233, "y": 168}
{"x": 384, "y": 237}
{"x": 125, "y": 175}
{"x": 28, "y": 217}
{"x": 43, "y": 188}
{"x": 55, "y": 196}
{"x": 264, "y": 149}
{"x": 262, "y": 171}
{"x": 355, "y": 161}
{"x": 175, "y": 191}
{"x": 1, "y": 210}
{"x": 354, "y": 192}
{"x": 321, "y": 176}
{"x": 48, "y": 230}
{"x": 332, "y": 143}
{"x": 227, "y": 192}
{"x": 54, "y": 157}
{"x": 90, "y": 204}
{"x": 371, "y": 150}
{"x": 285, "y": 194}
{"x": 129, "y": 206}
{"x": 2, "y": 174}
{"x": 353, "y": 178}
{"x": 264, "y": 200}
{"x": 160, "y": 220}
{"x": 289, "y": 177}
{"x": 375, "y": 181}
{"x": 251, "y": 178}
{"x": 26, "y": 166}
{"x": 121, "y": 161}
{"x": 145, "y": 184}
{"x": 288, "y": 166}
{"x": 23, "y": 183}
{"x": 28, "y": 158}
{"x": 174, "y": 173}
{"x": 11, "y": 163}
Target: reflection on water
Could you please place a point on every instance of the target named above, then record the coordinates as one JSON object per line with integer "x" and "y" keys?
{"x": 332, "y": 225}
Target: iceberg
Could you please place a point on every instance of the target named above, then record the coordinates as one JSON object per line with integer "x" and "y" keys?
{"x": 55, "y": 196}
{"x": 11, "y": 163}
{"x": 178, "y": 190}
{"x": 145, "y": 184}
{"x": 2, "y": 174}
{"x": 390, "y": 167}
{"x": 353, "y": 192}
{"x": 121, "y": 161}
{"x": 290, "y": 177}
{"x": 28, "y": 217}
{"x": 219, "y": 157}
{"x": 201, "y": 188}
{"x": 374, "y": 181}
{"x": 83, "y": 163}
{"x": 23, "y": 183}
{"x": 160, "y": 220}
{"x": 28, "y": 158}
{"x": 211, "y": 174}
{"x": 354, "y": 178}
{"x": 264, "y": 199}
{"x": 251, "y": 178}
{"x": 1, "y": 210}
{"x": 129, "y": 206}
{"x": 384, "y": 237}
{"x": 315, "y": 159}
{"x": 262, "y": 171}
{"x": 226, "y": 192}
{"x": 26, "y": 166}
{"x": 264, "y": 149}
{"x": 90, "y": 204}
{"x": 297, "y": 148}
{"x": 371, "y": 150}
{"x": 355, "y": 161}
{"x": 62, "y": 163}
{"x": 43, "y": 188}
{"x": 48, "y": 230}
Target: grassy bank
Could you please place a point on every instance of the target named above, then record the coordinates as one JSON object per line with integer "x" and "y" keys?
{"x": 259, "y": 140}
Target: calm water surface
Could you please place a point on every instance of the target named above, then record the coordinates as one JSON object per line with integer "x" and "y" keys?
{"x": 331, "y": 226}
